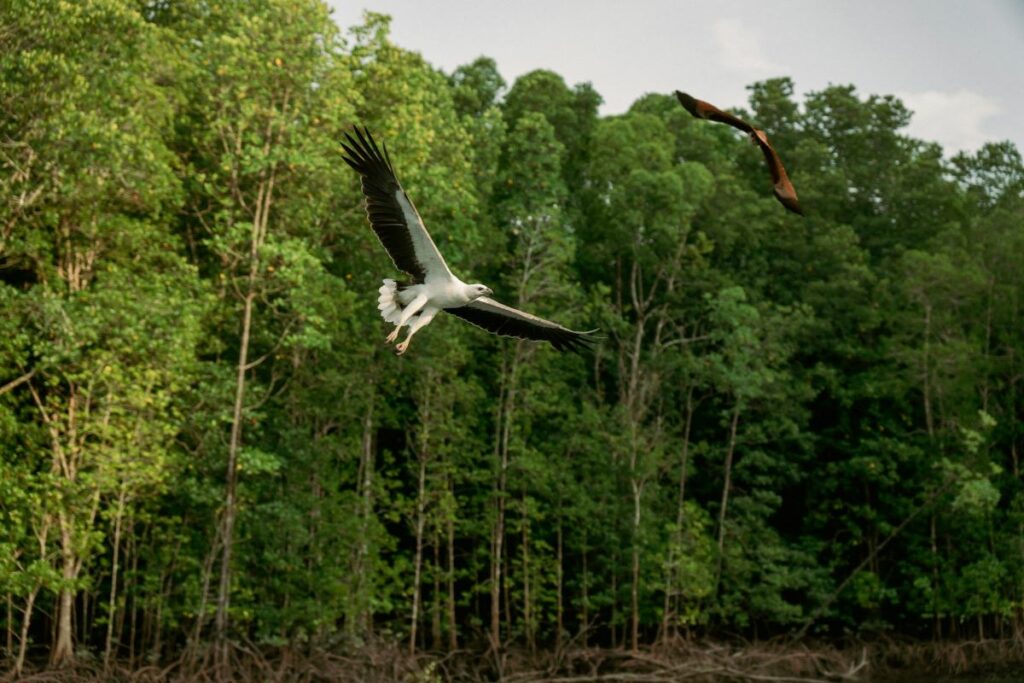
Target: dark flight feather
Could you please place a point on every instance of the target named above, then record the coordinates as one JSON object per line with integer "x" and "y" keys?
{"x": 380, "y": 187}
{"x": 506, "y": 321}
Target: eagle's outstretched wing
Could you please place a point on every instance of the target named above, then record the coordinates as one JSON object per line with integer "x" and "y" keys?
{"x": 784, "y": 190}
{"x": 509, "y": 322}
{"x": 392, "y": 214}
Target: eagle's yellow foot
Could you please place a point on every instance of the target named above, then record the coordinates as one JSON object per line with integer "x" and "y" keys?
{"x": 400, "y": 348}
{"x": 393, "y": 336}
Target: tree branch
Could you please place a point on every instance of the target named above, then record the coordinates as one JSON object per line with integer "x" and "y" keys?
{"x": 15, "y": 383}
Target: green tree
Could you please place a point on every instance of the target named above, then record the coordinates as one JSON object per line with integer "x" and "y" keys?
{"x": 264, "y": 104}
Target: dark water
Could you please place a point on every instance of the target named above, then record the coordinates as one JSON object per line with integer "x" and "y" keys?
{"x": 1005, "y": 677}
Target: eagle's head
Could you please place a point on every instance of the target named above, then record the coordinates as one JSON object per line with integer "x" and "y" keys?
{"x": 476, "y": 291}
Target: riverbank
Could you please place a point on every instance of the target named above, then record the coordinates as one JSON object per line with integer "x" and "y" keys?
{"x": 889, "y": 661}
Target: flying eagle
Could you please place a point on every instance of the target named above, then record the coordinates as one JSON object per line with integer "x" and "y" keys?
{"x": 433, "y": 287}
{"x": 784, "y": 190}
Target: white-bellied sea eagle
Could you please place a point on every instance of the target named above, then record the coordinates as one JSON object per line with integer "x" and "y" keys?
{"x": 433, "y": 287}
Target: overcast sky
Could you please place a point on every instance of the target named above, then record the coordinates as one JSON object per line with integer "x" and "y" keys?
{"x": 958, "y": 64}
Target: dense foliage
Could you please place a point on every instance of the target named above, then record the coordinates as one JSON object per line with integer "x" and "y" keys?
{"x": 792, "y": 425}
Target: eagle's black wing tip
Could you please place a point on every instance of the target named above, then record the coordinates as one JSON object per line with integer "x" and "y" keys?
{"x": 357, "y": 153}
{"x": 576, "y": 342}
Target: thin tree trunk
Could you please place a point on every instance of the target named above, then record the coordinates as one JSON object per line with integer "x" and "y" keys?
{"x": 435, "y": 596}
{"x": 507, "y": 405}
{"x": 668, "y": 627}
{"x": 634, "y": 588}
{"x": 204, "y": 595}
{"x": 559, "y": 579}
{"x": 19, "y": 661}
{"x": 497, "y": 532}
{"x": 82, "y": 615}
{"x": 162, "y": 596}
{"x": 935, "y": 579}
{"x": 615, "y": 596}
{"x": 366, "y": 484}
{"x": 132, "y": 549}
{"x": 257, "y": 238}
{"x": 930, "y": 425}
{"x": 988, "y": 345}
{"x": 418, "y": 562}
{"x": 64, "y": 464}
{"x": 585, "y": 593}
{"x": 496, "y": 554}
{"x": 585, "y": 597}
{"x": 928, "y": 420}
{"x": 666, "y": 607}
{"x": 1014, "y": 455}
{"x": 506, "y": 587}
{"x": 112, "y": 603}
{"x": 9, "y": 624}
{"x": 725, "y": 493}
{"x": 227, "y": 533}
{"x": 453, "y": 638}
{"x": 63, "y": 649}
{"x": 527, "y": 597}
{"x": 158, "y": 617}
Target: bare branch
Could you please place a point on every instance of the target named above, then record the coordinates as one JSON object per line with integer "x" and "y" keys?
{"x": 15, "y": 383}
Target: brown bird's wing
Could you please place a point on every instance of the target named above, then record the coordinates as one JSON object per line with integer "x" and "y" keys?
{"x": 784, "y": 190}
{"x": 705, "y": 110}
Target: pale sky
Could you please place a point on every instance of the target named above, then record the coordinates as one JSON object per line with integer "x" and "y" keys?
{"x": 958, "y": 64}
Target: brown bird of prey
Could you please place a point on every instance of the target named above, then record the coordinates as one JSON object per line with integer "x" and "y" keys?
{"x": 784, "y": 190}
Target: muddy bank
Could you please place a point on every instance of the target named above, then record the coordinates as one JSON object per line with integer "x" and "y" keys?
{"x": 887, "y": 661}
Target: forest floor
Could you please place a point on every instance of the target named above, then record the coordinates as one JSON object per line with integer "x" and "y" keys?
{"x": 780, "y": 661}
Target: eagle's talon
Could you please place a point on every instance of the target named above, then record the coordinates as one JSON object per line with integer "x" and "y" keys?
{"x": 400, "y": 348}
{"x": 392, "y": 337}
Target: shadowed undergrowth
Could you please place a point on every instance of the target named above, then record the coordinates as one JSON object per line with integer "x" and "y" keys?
{"x": 383, "y": 661}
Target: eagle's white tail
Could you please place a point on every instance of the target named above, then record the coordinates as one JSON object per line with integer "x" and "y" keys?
{"x": 387, "y": 302}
